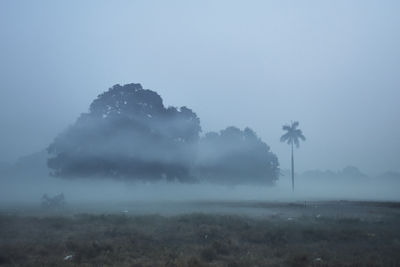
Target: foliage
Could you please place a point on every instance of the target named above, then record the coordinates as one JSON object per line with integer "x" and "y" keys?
{"x": 128, "y": 133}
{"x": 292, "y": 134}
{"x": 235, "y": 156}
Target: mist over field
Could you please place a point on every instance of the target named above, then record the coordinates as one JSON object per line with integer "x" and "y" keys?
{"x": 27, "y": 187}
{"x": 210, "y": 133}
{"x": 206, "y": 96}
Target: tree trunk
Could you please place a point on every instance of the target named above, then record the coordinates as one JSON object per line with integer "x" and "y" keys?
{"x": 292, "y": 170}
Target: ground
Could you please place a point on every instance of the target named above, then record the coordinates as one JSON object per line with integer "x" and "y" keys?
{"x": 337, "y": 233}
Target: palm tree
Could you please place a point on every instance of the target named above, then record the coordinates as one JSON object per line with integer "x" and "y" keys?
{"x": 291, "y": 137}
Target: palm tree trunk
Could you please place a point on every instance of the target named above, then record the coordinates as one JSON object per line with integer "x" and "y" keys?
{"x": 292, "y": 170}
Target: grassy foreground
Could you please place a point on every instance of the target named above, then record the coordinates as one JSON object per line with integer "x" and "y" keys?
{"x": 202, "y": 239}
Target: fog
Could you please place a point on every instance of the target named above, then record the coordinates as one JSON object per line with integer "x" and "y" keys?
{"x": 332, "y": 66}
{"x": 106, "y": 195}
{"x": 199, "y": 133}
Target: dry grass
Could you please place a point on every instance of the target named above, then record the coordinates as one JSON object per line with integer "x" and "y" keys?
{"x": 198, "y": 240}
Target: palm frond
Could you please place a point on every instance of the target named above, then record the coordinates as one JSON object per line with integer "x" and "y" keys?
{"x": 300, "y": 135}
{"x": 292, "y": 134}
{"x": 285, "y": 137}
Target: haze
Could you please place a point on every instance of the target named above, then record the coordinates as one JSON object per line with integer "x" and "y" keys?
{"x": 161, "y": 133}
{"x": 333, "y": 66}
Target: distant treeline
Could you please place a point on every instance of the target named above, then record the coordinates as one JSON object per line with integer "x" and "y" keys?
{"x": 129, "y": 134}
{"x": 347, "y": 174}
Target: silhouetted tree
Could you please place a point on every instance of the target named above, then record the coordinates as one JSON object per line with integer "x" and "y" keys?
{"x": 234, "y": 157}
{"x": 128, "y": 133}
{"x": 292, "y": 136}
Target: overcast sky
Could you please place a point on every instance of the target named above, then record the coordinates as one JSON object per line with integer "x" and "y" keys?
{"x": 332, "y": 65}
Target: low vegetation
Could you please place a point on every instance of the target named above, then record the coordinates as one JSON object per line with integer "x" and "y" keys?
{"x": 200, "y": 240}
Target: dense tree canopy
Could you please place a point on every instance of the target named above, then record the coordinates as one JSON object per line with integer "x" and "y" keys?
{"x": 128, "y": 133}
{"x": 234, "y": 156}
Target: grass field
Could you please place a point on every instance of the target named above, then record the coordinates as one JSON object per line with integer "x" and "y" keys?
{"x": 339, "y": 233}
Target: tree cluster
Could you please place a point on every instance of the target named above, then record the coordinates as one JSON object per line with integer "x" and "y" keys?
{"x": 235, "y": 156}
{"x": 128, "y": 133}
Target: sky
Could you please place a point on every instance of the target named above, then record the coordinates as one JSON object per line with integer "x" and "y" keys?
{"x": 332, "y": 65}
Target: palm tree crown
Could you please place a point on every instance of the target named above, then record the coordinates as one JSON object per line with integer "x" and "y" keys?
{"x": 292, "y": 134}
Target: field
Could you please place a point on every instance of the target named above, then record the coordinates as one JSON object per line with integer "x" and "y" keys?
{"x": 242, "y": 233}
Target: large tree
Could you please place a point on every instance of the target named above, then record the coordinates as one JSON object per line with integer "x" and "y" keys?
{"x": 233, "y": 156}
{"x": 128, "y": 133}
{"x": 292, "y": 136}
